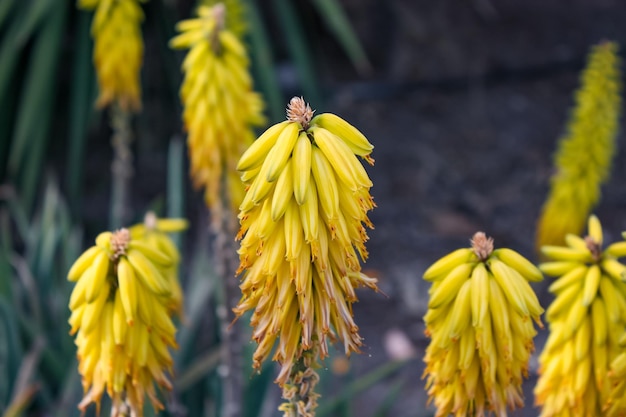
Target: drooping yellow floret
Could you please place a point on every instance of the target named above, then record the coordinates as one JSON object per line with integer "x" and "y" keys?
{"x": 118, "y": 51}
{"x": 616, "y": 404}
{"x": 302, "y": 232}
{"x": 479, "y": 319}
{"x": 220, "y": 107}
{"x": 583, "y": 158}
{"x": 154, "y": 232}
{"x": 586, "y": 319}
{"x": 121, "y": 307}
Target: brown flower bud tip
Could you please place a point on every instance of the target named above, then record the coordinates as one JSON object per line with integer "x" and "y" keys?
{"x": 482, "y": 245}
{"x": 594, "y": 247}
{"x": 119, "y": 242}
{"x": 219, "y": 13}
{"x": 299, "y": 111}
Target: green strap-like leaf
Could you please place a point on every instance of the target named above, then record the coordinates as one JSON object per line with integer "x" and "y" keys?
{"x": 389, "y": 400}
{"x": 337, "y": 21}
{"x": 81, "y": 107}
{"x": 358, "y": 386}
{"x": 6, "y": 7}
{"x": 71, "y": 393}
{"x": 36, "y": 107}
{"x": 10, "y": 350}
{"x": 198, "y": 369}
{"x": 35, "y": 12}
{"x": 298, "y": 49}
{"x": 6, "y": 271}
{"x": 263, "y": 63}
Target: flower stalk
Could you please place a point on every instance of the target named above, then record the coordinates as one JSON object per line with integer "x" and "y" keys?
{"x": 121, "y": 167}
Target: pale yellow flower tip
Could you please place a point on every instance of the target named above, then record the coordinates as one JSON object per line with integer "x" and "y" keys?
{"x": 303, "y": 222}
{"x": 235, "y": 15}
{"x": 584, "y": 155}
{"x": 588, "y": 311}
{"x": 220, "y": 107}
{"x": 479, "y": 321}
{"x": 121, "y": 318}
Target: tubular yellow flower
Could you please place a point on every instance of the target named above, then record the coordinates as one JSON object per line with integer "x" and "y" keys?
{"x": 583, "y": 159}
{"x": 118, "y": 51}
{"x": 479, "y": 321}
{"x": 220, "y": 107}
{"x": 302, "y": 225}
{"x": 586, "y": 318}
{"x": 121, "y": 320}
{"x": 154, "y": 232}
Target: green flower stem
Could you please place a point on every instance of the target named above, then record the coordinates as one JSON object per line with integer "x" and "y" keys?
{"x": 231, "y": 343}
{"x": 122, "y": 166}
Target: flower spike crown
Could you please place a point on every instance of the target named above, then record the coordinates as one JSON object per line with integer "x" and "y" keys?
{"x": 126, "y": 292}
{"x": 587, "y": 318}
{"x": 479, "y": 321}
{"x": 220, "y": 107}
{"x": 303, "y": 222}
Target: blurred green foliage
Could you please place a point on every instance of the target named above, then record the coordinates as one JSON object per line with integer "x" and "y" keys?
{"x": 47, "y": 90}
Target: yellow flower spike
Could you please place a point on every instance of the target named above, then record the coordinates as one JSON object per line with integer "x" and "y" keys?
{"x": 297, "y": 253}
{"x": 118, "y": 51}
{"x": 583, "y": 158}
{"x": 481, "y": 334}
{"x": 220, "y": 107}
{"x": 113, "y": 316}
{"x": 588, "y": 311}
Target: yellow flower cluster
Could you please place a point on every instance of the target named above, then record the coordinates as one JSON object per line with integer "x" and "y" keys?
{"x": 586, "y": 319}
{"x": 302, "y": 224}
{"x": 220, "y": 107}
{"x": 479, "y": 320}
{"x": 583, "y": 160}
{"x": 121, "y": 314}
{"x": 118, "y": 51}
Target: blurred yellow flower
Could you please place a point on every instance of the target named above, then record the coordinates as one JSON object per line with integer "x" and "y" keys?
{"x": 302, "y": 225}
{"x": 220, "y": 107}
{"x": 586, "y": 319}
{"x": 479, "y": 321}
{"x": 583, "y": 159}
{"x": 121, "y": 307}
{"x": 118, "y": 51}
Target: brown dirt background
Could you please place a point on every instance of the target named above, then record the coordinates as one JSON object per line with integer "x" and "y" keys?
{"x": 466, "y": 105}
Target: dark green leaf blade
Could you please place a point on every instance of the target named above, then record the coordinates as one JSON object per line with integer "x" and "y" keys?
{"x": 338, "y": 23}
